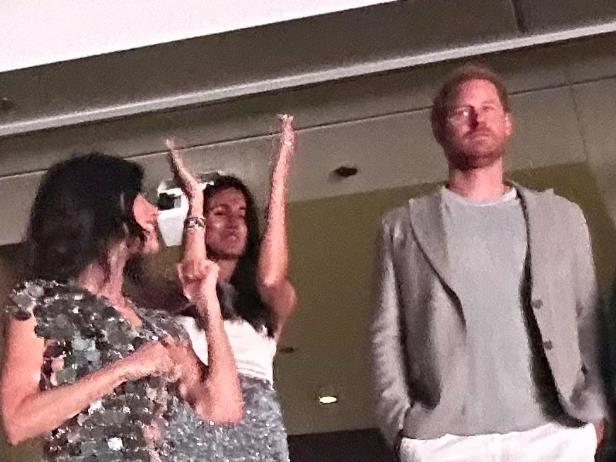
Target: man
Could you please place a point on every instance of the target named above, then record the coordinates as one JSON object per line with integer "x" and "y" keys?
{"x": 484, "y": 337}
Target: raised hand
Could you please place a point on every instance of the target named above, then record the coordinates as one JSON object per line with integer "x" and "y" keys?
{"x": 272, "y": 268}
{"x": 182, "y": 175}
{"x": 194, "y": 237}
{"x": 198, "y": 279}
{"x": 287, "y": 137}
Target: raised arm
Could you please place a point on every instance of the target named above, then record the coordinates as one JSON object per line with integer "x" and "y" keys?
{"x": 28, "y": 412}
{"x": 215, "y": 396}
{"x": 193, "y": 249}
{"x": 272, "y": 271}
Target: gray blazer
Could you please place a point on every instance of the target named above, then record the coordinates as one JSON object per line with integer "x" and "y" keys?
{"x": 418, "y": 329}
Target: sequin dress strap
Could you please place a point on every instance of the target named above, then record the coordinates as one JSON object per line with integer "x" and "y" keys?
{"x": 25, "y": 296}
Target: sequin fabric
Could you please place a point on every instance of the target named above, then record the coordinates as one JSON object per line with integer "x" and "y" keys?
{"x": 259, "y": 437}
{"x": 84, "y": 333}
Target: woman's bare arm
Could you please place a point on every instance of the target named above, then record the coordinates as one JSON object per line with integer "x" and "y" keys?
{"x": 272, "y": 271}
{"x": 216, "y": 396}
{"x": 28, "y": 412}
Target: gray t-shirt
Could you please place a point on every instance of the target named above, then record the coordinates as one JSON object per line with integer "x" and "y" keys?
{"x": 487, "y": 247}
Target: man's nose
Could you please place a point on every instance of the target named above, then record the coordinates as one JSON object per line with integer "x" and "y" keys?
{"x": 474, "y": 118}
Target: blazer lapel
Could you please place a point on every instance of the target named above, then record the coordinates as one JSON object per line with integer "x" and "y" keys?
{"x": 426, "y": 220}
{"x": 538, "y": 240}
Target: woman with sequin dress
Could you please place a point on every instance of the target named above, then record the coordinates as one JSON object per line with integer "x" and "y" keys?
{"x": 257, "y": 299}
{"x": 84, "y": 367}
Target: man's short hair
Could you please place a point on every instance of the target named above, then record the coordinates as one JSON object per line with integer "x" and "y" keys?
{"x": 449, "y": 91}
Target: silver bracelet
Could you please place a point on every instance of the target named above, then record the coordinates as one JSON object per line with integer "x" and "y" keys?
{"x": 194, "y": 223}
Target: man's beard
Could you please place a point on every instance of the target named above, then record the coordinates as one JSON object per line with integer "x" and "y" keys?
{"x": 465, "y": 162}
{"x": 465, "y": 158}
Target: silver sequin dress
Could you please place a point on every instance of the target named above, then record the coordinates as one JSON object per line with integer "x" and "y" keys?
{"x": 84, "y": 333}
{"x": 260, "y": 436}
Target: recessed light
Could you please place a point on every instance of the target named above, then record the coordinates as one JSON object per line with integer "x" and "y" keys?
{"x": 287, "y": 349}
{"x": 346, "y": 171}
{"x": 6, "y": 104}
{"x": 328, "y": 399}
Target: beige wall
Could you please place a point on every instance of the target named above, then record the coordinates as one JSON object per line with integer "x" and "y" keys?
{"x": 564, "y": 105}
{"x": 378, "y": 122}
{"x": 332, "y": 243}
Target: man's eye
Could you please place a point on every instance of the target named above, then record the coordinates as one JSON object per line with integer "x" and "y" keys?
{"x": 461, "y": 112}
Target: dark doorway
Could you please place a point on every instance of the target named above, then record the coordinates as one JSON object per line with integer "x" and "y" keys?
{"x": 346, "y": 446}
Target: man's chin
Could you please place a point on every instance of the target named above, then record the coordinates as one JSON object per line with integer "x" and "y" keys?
{"x": 474, "y": 161}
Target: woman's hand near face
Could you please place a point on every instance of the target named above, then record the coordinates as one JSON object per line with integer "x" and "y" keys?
{"x": 198, "y": 279}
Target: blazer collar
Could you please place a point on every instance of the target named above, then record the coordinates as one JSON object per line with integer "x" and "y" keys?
{"x": 538, "y": 215}
{"x": 426, "y": 219}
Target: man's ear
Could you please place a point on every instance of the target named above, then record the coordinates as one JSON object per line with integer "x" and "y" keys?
{"x": 438, "y": 130}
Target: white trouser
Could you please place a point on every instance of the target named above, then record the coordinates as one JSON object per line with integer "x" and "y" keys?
{"x": 547, "y": 443}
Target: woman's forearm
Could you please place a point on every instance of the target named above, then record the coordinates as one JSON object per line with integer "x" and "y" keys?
{"x": 274, "y": 253}
{"x": 42, "y": 411}
{"x": 194, "y": 229}
{"x": 220, "y": 398}
{"x": 194, "y": 233}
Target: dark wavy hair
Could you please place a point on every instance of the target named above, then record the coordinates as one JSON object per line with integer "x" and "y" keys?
{"x": 83, "y": 206}
{"x": 248, "y": 305}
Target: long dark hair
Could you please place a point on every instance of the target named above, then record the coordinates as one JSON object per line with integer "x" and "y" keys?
{"x": 83, "y": 206}
{"x": 248, "y": 304}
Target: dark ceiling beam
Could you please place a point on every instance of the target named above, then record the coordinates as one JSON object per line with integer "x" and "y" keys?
{"x": 266, "y": 59}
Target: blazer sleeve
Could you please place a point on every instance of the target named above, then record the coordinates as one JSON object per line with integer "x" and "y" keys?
{"x": 589, "y": 318}
{"x": 387, "y": 349}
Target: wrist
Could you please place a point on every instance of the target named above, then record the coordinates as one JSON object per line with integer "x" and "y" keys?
{"x": 195, "y": 207}
{"x": 193, "y": 222}
{"x": 207, "y": 305}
